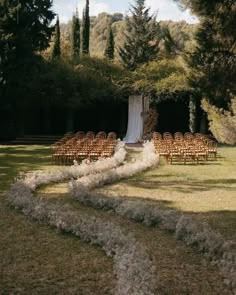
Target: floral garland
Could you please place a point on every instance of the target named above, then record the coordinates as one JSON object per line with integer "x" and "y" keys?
{"x": 82, "y": 186}
{"x": 134, "y": 269}
{"x": 36, "y": 178}
{"x": 192, "y": 232}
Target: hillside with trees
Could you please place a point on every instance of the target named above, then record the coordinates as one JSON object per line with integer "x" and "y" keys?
{"x": 103, "y": 59}
{"x": 181, "y": 32}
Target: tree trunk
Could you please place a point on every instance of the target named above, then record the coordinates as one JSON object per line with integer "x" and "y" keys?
{"x": 70, "y": 120}
{"x": 204, "y": 124}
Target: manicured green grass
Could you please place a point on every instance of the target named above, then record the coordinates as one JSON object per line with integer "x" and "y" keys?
{"x": 206, "y": 191}
{"x": 21, "y": 158}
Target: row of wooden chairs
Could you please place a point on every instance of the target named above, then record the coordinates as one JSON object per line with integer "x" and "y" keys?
{"x": 84, "y": 146}
{"x": 179, "y": 136}
{"x": 184, "y": 148}
{"x": 71, "y": 137}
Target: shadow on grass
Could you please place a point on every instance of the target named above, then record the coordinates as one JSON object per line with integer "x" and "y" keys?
{"x": 17, "y": 159}
{"x": 222, "y": 221}
{"x": 183, "y": 186}
{"x": 195, "y": 164}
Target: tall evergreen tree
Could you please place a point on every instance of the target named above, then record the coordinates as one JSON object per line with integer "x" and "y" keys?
{"x": 75, "y": 37}
{"x": 141, "y": 44}
{"x": 213, "y": 61}
{"x": 86, "y": 29}
{"x": 56, "y": 50}
{"x": 110, "y": 45}
{"x": 25, "y": 28}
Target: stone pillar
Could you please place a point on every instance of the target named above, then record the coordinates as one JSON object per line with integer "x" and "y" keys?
{"x": 192, "y": 114}
{"x": 204, "y": 123}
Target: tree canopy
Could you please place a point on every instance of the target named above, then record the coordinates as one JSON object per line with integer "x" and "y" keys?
{"x": 24, "y": 29}
{"x": 163, "y": 79}
{"x": 110, "y": 45}
{"x": 213, "y": 60}
{"x": 75, "y": 37}
{"x": 56, "y": 50}
{"x": 152, "y": 50}
{"x": 141, "y": 37}
{"x": 86, "y": 29}
{"x": 181, "y": 32}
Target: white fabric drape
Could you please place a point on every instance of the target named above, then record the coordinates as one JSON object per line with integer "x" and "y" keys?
{"x": 135, "y": 121}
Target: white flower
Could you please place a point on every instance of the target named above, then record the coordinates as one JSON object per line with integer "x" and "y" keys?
{"x": 83, "y": 185}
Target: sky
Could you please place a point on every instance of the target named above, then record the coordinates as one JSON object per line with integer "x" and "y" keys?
{"x": 167, "y": 9}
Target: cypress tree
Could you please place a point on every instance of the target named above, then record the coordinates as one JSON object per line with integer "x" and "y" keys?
{"x": 86, "y": 29}
{"x": 110, "y": 45}
{"x": 75, "y": 37}
{"x": 56, "y": 51}
{"x": 141, "y": 44}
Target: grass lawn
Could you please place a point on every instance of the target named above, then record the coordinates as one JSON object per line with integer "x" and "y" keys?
{"x": 37, "y": 260}
{"x": 21, "y": 158}
{"x": 34, "y": 258}
{"x": 206, "y": 191}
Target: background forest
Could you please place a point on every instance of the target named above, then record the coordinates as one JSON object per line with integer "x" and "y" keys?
{"x": 181, "y": 32}
{"x": 55, "y": 78}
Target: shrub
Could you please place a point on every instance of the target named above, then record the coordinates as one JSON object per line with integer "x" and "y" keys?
{"x": 222, "y": 122}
